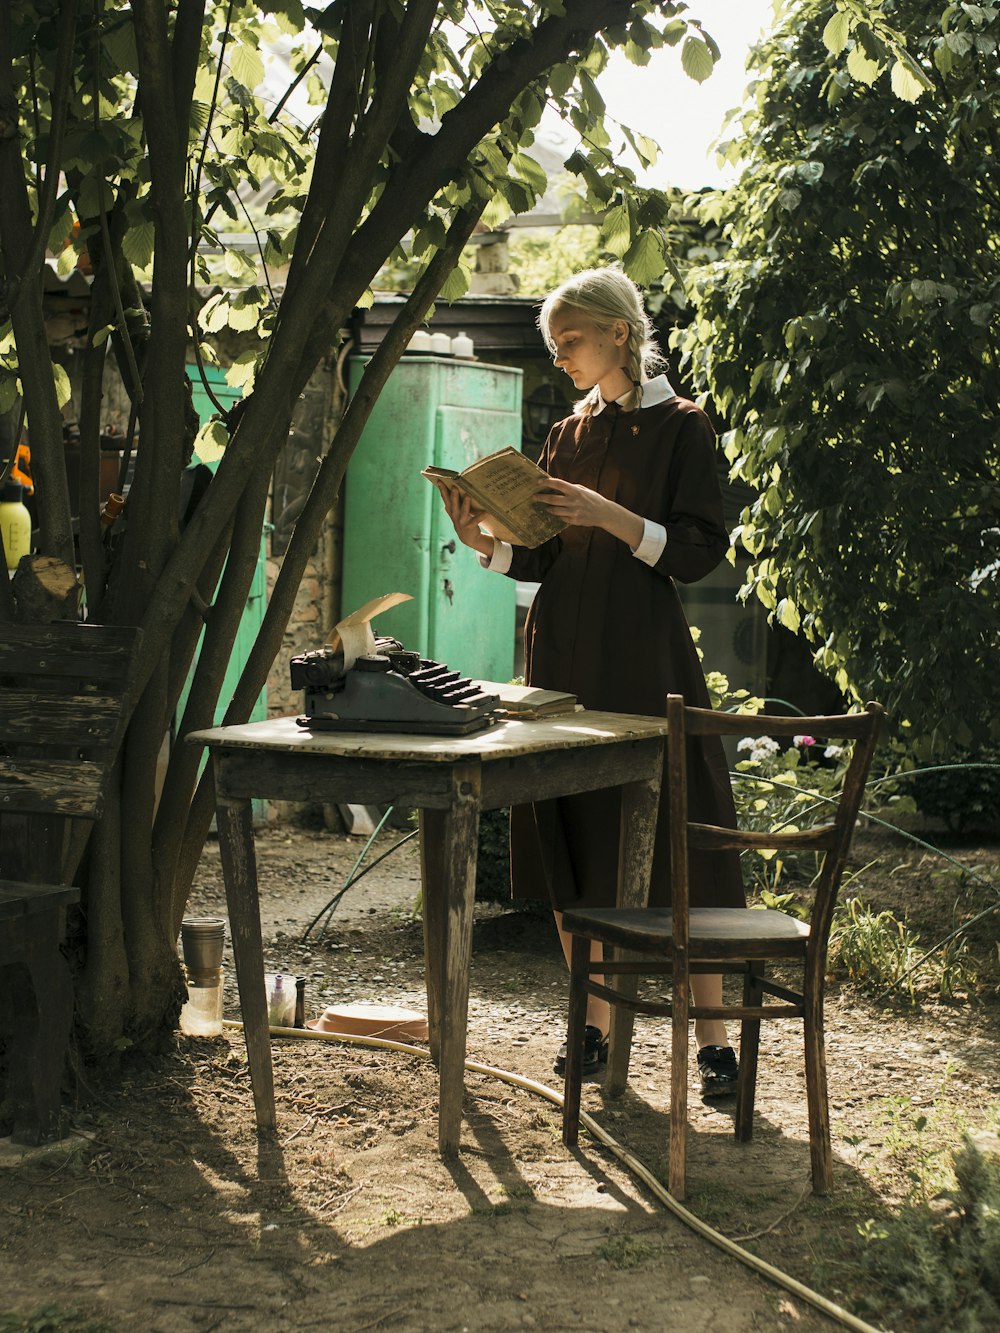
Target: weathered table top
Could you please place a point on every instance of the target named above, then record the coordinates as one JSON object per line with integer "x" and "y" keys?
{"x": 504, "y": 740}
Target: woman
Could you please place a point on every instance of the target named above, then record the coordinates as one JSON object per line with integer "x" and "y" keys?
{"x": 633, "y": 475}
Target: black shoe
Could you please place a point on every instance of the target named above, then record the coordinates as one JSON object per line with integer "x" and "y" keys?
{"x": 718, "y": 1069}
{"x": 595, "y": 1052}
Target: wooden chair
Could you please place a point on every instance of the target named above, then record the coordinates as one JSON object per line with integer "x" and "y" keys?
{"x": 62, "y": 709}
{"x": 680, "y": 940}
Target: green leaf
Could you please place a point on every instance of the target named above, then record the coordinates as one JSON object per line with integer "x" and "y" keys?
{"x": 237, "y": 265}
{"x": 246, "y": 65}
{"x": 102, "y": 335}
{"x": 64, "y": 391}
{"x": 525, "y": 168}
{"x": 696, "y": 59}
{"x": 243, "y": 317}
{"x": 242, "y": 371}
{"x": 616, "y": 233}
{"x": 137, "y": 244}
{"x": 210, "y": 442}
{"x": 861, "y": 68}
{"x": 905, "y": 83}
{"x": 455, "y": 285}
{"x": 837, "y": 32}
{"x": 561, "y": 79}
{"x": 644, "y": 261}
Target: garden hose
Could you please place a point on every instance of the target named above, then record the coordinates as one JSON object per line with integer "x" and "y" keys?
{"x": 638, "y": 1168}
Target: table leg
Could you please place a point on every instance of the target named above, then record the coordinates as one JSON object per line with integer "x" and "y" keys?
{"x": 432, "y": 899}
{"x": 459, "y": 845}
{"x": 239, "y": 870}
{"x": 640, "y": 804}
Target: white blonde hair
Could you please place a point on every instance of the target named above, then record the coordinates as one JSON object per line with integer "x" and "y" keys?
{"x": 605, "y": 296}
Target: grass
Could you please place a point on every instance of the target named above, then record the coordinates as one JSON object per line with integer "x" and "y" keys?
{"x": 624, "y": 1251}
{"x": 52, "y": 1319}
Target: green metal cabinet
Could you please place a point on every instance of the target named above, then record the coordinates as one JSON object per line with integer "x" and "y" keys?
{"x": 397, "y": 536}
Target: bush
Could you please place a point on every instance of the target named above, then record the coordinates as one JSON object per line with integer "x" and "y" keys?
{"x": 940, "y": 1261}
{"x": 964, "y": 795}
{"x": 493, "y": 863}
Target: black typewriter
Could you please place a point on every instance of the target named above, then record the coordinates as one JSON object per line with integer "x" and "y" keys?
{"x": 392, "y": 689}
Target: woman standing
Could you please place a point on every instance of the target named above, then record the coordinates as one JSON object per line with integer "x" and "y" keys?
{"x": 633, "y": 475}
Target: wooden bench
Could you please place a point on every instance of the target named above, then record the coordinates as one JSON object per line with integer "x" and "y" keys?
{"x": 63, "y": 694}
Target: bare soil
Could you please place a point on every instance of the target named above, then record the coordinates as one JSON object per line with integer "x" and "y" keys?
{"x": 165, "y": 1212}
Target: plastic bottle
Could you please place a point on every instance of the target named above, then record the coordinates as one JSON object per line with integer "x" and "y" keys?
{"x": 280, "y": 1002}
{"x": 15, "y": 524}
{"x": 440, "y": 344}
{"x": 463, "y": 346}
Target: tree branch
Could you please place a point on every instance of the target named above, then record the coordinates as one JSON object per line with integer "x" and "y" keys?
{"x": 322, "y": 496}
{"x": 59, "y": 106}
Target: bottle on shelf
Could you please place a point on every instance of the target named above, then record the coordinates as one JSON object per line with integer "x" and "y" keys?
{"x": 15, "y": 524}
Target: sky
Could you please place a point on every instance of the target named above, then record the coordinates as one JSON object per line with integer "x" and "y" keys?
{"x": 685, "y": 117}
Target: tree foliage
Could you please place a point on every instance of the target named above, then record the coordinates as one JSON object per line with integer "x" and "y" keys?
{"x": 134, "y": 131}
{"x": 850, "y": 335}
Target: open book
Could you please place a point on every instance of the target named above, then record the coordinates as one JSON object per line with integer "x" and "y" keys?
{"x": 505, "y": 485}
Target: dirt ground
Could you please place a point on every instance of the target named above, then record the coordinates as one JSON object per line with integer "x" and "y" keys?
{"x": 164, "y": 1212}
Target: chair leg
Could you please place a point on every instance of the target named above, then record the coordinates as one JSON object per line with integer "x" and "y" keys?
{"x": 820, "y": 1150}
{"x": 43, "y": 1017}
{"x": 676, "y": 1170}
{"x": 572, "y": 1086}
{"x": 746, "y": 1087}
{"x": 621, "y": 1029}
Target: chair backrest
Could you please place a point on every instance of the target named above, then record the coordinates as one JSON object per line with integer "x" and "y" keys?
{"x": 63, "y": 705}
{"x": 832, "y": 837}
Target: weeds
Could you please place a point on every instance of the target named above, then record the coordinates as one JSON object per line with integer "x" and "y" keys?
{"x": 939, "y": 1260}
{"x": 878, "y": 952}
{"x": 623, "y": 1252}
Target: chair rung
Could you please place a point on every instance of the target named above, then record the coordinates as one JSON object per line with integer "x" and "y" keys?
{"x": 780, "y": 992}
{"x": 664, "y": 1009}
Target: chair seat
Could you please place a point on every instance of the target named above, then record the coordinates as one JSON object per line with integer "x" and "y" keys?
{"x": 733, "y": 932}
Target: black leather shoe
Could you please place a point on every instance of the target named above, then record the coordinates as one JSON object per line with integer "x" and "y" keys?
{"x": 718, "y": 1069}
{"x": 595, "y": 1052}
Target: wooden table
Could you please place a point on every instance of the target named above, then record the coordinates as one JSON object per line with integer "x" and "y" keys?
{"x": 450, "y": 779}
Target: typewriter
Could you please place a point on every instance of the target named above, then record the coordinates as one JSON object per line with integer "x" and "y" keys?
{"x": 390, "y": 689}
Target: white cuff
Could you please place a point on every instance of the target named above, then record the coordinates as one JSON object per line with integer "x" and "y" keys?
{"x": 503, "y": 554}
{"x": 653, "y": 544}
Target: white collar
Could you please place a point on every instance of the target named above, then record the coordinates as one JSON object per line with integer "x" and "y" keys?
{"x": 654, "y": 391}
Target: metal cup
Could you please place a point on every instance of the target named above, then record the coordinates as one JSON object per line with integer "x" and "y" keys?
{"x": 202, "y": 942}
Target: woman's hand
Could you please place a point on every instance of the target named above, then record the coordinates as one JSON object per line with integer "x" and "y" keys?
{"x": 465, "y": 519}
{"x": 584, "y": 508}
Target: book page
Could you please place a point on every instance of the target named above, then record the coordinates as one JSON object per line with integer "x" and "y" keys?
{"x": 505, "y": 486}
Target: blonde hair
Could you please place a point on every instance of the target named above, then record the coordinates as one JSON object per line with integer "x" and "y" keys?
{"x": 605, "y": 296}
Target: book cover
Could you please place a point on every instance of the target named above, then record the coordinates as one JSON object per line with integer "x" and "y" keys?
{"x": 505, "y": 485}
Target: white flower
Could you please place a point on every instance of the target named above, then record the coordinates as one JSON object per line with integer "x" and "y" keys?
{"x": 833, "y": 752}
{"x": 747, "y": 743}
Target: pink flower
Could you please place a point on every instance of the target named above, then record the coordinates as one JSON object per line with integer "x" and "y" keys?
{"x": 804, "y": 740}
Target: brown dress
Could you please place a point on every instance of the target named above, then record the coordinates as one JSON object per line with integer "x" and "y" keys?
{"x": 610, "y": 629}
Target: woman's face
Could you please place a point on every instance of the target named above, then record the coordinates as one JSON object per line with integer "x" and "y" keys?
{"x": 587, "y": 354}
